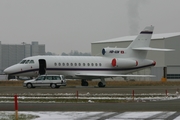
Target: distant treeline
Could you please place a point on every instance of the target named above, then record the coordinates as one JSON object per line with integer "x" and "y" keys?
{"x": 50, "y": 53}
{"x": 75, "y": 53}
{"x": 72, "y": 53}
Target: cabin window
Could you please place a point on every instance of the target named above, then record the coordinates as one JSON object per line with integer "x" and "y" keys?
{"x": 116, "y": 51}
{"x": 23, "y": 61}
{"x": 59, "y": 64}
{"x": 88, "y": 64}
{"x": 99, "y": 64}
{"x": 67, "y": 64}
{"x": 55, "y": 64}
{"x": 79, "y": 64}
{"x": 111, "y": 51}
{"x": 27, "y": 61}
{"x": 71, "y": 64}
{"x": 32, "y": 61}
{"x": 96, "y": 64}
{"x": 92, "y": 64}
{"x": 84, "y": 64}
{"x": 63, "y": 64}
{"x": 75, "y": 64}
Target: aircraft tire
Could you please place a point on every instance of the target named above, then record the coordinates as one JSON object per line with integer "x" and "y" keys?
{"x": 29, "y": 85}
{"x": 53, "y": 85}
{"x": 84, "y": 83}
{"x": 100, "y": 84}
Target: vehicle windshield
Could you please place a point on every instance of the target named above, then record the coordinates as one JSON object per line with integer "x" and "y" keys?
{"x": 63, "y": 77}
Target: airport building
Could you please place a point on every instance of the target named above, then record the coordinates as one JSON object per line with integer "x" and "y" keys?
{"x": 12, "y": 54}
{"x": 167, "y": 63}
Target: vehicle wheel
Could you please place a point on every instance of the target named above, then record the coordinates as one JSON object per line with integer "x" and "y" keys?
{"x": 53, "y": 85}
{"x": 100, "y": 84}
{"x": 29, "y": 85}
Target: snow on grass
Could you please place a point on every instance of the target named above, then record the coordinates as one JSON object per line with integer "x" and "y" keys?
{"x": 21, "y": 116}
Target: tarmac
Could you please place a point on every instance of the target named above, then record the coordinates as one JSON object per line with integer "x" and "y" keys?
{"x": 90, "y": 89}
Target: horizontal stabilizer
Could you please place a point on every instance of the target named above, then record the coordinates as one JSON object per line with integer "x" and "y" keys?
{"x": 112, "y": 75}
{"x": 154, "y": 49}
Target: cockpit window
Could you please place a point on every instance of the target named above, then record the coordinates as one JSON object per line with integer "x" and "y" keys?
{"x": 27, "y": 61}
{"x": 32, "y": 61}
{"x": 23, "y": 61}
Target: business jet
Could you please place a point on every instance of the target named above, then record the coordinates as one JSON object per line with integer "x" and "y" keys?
{"x": 115, "y": 62}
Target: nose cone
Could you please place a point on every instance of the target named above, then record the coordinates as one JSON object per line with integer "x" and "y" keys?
{"x": 7, "y": 70}
{"x": 10, "y": 70}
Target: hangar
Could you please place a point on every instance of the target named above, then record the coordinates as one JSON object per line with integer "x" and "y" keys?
{"x": 168, "y": 63}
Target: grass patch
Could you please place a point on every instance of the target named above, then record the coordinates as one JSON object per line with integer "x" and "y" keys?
{"x": 69, "y": 100}
{"x": 11, "y": 83}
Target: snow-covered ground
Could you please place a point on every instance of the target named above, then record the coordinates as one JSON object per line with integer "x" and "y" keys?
{"x": 4, "y": 98}
{"x": 160, "y": 115}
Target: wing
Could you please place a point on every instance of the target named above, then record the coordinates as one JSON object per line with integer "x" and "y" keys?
{"x": 111, "y": 75}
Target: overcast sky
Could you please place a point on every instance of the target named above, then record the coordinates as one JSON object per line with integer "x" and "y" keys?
{"x": 65, "y": 25}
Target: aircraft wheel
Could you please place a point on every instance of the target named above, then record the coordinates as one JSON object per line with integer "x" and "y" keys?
{"x": 29, "y": 85}
{"x": 84, "y": 83}
{"x": 53, "y": 85}
{"x": 100, "y": 84}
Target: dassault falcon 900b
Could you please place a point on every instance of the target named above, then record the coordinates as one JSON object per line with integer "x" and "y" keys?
{"x": 115, "y": 62}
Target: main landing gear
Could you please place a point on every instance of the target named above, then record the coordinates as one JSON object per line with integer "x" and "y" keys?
{"x": 102, "y": 83}
{"x": 84, "y": 82}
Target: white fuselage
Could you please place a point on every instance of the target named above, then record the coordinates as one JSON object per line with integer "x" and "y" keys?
{"x": 71, "y": 66}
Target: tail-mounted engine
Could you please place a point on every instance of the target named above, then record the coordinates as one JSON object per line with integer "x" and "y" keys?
{"x": 123, "y": 63}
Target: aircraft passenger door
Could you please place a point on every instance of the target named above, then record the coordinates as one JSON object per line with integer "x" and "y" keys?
{"x": 42, "y": 66}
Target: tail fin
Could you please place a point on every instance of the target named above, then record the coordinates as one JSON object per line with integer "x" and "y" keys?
{"x": 142, "y": 40}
